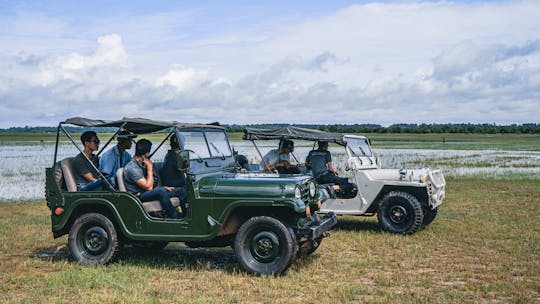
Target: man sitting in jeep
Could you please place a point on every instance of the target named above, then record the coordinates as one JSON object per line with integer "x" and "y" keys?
{"x": 172, "y": 176}
{"x": 320, "y": 163}
{"x": 86, "y": 175}
{"x": 139, "y": 179}
{"x": 280, "y": 159}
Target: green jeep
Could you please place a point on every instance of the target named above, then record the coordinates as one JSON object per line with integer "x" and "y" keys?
{"x": 268, "y": 219}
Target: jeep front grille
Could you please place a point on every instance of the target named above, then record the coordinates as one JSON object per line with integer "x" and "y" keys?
{"x": 304, "y": 189}
{"x": 437, "y": 177}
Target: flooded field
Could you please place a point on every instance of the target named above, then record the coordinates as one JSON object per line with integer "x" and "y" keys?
{"x": 22, "y": 166}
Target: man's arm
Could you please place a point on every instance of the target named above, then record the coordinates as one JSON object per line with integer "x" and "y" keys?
{"x": 147, "y": 183}
{"x": 106, "y": 163}
{"x": 330, "y": 168}
{"x": 329, "y": 163}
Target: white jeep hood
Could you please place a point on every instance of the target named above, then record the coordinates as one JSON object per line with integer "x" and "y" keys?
{"x": 414, "y": 175}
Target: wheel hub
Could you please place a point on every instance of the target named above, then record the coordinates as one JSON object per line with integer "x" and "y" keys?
{"x": 265, "y": 246}
{"x": 95, "y": 240}
{"x": 398, "y": 214}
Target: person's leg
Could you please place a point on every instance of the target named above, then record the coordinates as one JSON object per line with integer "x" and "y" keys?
{"x": 345, "y": 187}
{"x": 181, "y": 193}
{"x": 95, "y": 185}
{"x": 163, "y": 196}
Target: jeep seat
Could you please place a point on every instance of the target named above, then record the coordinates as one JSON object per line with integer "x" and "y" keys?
{"x": 150, "y": 206}
{"x": 67, "y": 172}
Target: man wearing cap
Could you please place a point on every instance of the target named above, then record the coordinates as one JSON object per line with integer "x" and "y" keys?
{"x": 118, "y": 156}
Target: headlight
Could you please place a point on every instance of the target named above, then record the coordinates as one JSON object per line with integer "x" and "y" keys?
{"x": 312, "y": 189}
{"x": 297, "y": 193}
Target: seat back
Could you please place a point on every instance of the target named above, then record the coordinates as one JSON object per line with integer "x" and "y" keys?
{"x": 67, "y": 171}
{"x": 120, "y": 179}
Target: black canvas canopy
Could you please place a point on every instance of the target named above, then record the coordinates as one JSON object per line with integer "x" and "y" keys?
{"x": 292, "y": 132}
{"x": 135, "y": 125}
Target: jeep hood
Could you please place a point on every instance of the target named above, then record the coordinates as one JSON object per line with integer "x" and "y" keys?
{"x": 257, "y": 185}
{"x": 394, "y": 174}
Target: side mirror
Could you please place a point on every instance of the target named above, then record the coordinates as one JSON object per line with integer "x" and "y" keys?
{"x": 183, "y": 160}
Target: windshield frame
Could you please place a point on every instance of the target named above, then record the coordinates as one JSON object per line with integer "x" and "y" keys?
{"x": 211, "y": 152}
{"x": 350, "y": 139}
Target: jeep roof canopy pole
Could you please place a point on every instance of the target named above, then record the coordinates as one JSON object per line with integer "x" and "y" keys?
{"x": 101, "y": 176}
{"x": 162, "y": 142}
{"x": 260, "y": 154}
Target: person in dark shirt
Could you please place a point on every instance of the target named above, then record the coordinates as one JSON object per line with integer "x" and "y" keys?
{"x": 172, "y": 176}
{"x": 139, "y": 179}
{"x": 86, "y": 175}
{"x": 320, "y": 163}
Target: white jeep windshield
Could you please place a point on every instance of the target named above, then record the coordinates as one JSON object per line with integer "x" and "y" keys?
{"x": 359, "y": 146}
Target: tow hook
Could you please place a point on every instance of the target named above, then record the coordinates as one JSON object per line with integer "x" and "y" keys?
{"x": 326, "y": 234}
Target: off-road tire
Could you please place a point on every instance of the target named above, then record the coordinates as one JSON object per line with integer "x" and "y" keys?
{"x": 400, "y": 212}
{"x": 93, "y": 240}
{"x": 430, "y": 215}
{"x": 264, "y": 245}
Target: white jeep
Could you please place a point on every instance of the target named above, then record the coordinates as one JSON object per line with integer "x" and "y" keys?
{"x": 403, "y": 199}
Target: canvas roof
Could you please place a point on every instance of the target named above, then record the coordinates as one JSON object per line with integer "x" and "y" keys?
{"x": 135, "y": 125}
{"x": 292, "y": 132}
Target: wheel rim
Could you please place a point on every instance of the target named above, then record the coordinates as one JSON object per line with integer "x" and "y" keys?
{"x": 398, "y": 214}
{"x": 264, "y": 246}
{"x": 93, "y": 240}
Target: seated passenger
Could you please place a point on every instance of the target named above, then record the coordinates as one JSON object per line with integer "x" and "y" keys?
{"x": 172, "y": 176}
{"x": 86, "y": 176}
{"x": 117, "y": 156}
{"x": 320, "y": 162}
{"x": 280, "y": 159}
{"x": 139, "y": 179}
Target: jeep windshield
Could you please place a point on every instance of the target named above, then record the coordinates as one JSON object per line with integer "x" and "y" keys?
{"x": 206, "y": 144}
{"x": 358, "y": 146}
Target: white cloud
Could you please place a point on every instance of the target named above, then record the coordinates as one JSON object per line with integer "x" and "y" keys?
{"x": 373, "y": 63}
{"x": 183, "y": 79}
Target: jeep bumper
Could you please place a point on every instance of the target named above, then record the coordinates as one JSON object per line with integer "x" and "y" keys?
{"x": 316, "y": 227}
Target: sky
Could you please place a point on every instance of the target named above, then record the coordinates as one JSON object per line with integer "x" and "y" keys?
{"x": 249, "y": 62}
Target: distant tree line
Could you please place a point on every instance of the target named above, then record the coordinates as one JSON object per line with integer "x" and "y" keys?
{"x": 529, "y": 128}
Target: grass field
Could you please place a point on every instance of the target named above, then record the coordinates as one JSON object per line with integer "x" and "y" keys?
{"x": 484, "y": 247}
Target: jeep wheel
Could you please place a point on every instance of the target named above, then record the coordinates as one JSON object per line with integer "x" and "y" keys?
{"x": 93, "y": 240}
{"x": 308, "y": 247}
{"x": 264, "y": 245}
{"x": 429, "y": 215}
{"x": 400, "y": 212}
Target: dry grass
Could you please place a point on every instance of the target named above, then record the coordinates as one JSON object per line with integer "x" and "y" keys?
{"x": 483, "y": 247}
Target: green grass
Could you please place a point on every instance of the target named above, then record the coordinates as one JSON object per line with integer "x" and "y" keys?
{"x": 483, "y": 247}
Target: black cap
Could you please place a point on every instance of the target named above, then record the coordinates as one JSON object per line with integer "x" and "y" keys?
{"x": 125, "y": 134}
